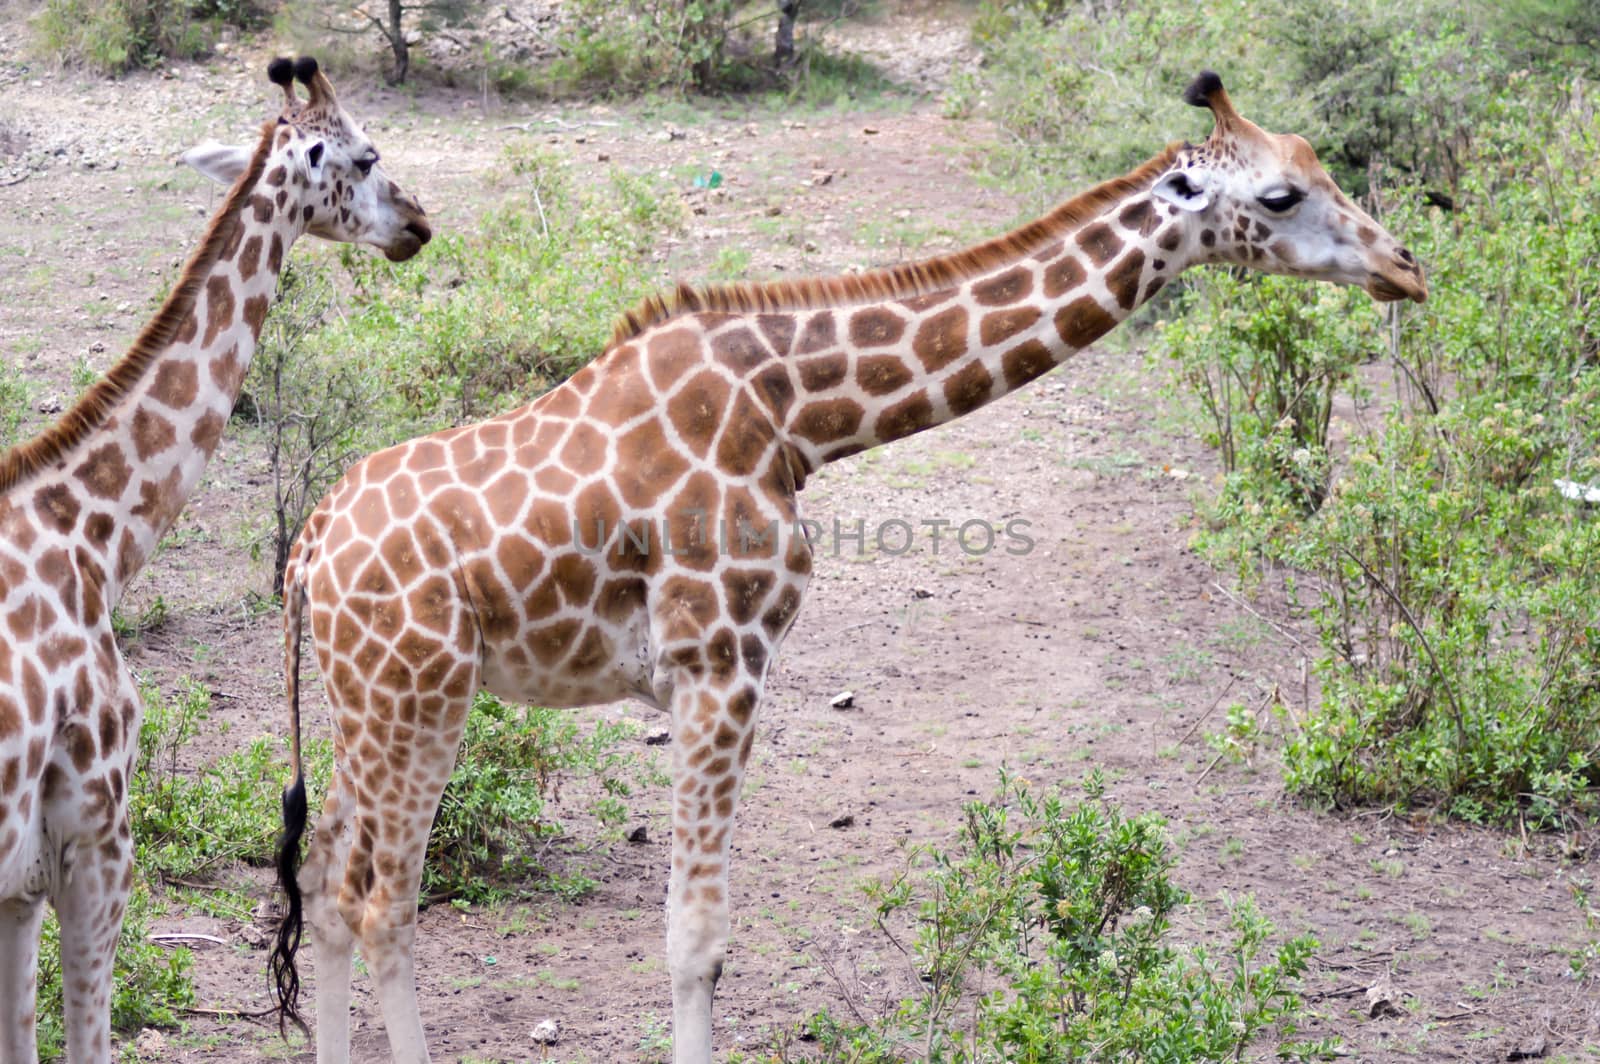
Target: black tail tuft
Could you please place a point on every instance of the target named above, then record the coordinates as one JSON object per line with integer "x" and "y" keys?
{"x": 285, "y": 977}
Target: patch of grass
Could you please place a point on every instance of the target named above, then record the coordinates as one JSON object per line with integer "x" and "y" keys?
{"x": 16, "y": 399}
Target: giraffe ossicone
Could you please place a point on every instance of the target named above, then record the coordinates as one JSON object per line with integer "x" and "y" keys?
{"x": 464, "y": 561}
{"x": 82, "y": 506}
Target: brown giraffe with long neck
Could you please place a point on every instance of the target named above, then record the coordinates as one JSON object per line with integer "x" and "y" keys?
{"x": 633, "y": 532}
{"x": 83, "y": 505}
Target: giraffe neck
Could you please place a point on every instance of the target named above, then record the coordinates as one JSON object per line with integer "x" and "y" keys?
{"x": 866, "y": 373}
{"x": 121, "y": 464}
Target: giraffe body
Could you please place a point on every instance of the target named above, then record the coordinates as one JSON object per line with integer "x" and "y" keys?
{"x": 82, "y": 508}
{"x": 633, "y": 532}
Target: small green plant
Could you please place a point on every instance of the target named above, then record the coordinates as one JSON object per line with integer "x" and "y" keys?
{"x": 188, "y": 822}
{"x": 1585, "y": 960}
{"x": 1043, "y": 936}
{"x": 494, "y": 824}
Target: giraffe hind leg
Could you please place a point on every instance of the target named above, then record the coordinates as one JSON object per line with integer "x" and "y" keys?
{"x": 332, "y": 942}
{"x": 396, "y": 798}
{"x": 20, "y": 919}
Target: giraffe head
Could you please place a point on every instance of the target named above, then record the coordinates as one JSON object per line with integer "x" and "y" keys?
{"x": 1262, "y": 200}
{"x": 322, "y": 161}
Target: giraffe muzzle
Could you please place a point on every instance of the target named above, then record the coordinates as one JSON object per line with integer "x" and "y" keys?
{"x": 1401, "y": 280}
{"x": 416, "y": 233}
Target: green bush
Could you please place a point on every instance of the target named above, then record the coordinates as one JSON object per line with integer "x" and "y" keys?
{"x": 480, "y": 323}
{"x": 1452, "y": 585}
{"x": 1043, "y": 936}
{"x": 1089, "y": 91}
{"x": 493, "y": 827}
{"x": 1265, "y": 356}
{"x": 115, "y": 36}
{"x": 188, "y": 822}
{"x": 622, "y": 49}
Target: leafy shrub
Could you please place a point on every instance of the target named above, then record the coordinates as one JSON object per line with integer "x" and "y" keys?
{"x": 186, "y": 823}
{"x": 492, "y": 826}
{"x": 486, "y": 321}
{"x": 656, "y": 44}
{"x": 1452, "y": 584}
{"x": 312, "y": 405}
{"x": 1265, "y": 356}
{"x": 1043, "y": 936}
{"x": 115, "y": 36}
{"x": 680, "y": 46}
{"x": 1370, "y": 85}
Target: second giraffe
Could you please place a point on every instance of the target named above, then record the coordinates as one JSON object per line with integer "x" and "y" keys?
{"x": 633, "y": 533}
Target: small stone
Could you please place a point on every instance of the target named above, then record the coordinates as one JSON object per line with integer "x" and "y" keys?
{"x": 639, "y": 834}
{"x": 547, "y": 1032}
{"x": 844, "y": 699}
{"x": 841, "y": 822}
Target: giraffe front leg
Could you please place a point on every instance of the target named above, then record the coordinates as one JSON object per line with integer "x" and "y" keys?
{"x": 712, "y": 724}
{"x": 89, "y": 905}
{"x": 19, "y": 963}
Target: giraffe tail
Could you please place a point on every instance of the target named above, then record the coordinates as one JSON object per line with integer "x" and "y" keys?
{"x": 285, "y": 976}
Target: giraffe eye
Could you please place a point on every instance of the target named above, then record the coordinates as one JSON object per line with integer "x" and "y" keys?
{"x": 365, "y": 164}
{"x": 1278, "y": 202}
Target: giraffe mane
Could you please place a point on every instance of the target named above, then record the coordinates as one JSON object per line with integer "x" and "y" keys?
{"x": 902, "y": 281}
{"x": 90, "y": 412}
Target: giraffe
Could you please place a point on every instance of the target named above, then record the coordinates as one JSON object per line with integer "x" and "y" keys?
{"x": 633, "y": 533}
{"x": 83, "y": 505}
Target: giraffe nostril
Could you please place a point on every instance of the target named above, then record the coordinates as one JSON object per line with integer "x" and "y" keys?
{"x": 1407, "y": 258}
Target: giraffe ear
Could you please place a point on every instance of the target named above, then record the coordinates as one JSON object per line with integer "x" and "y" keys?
{"x": 1185, "y": 189}
{"x": 222, "y": 163}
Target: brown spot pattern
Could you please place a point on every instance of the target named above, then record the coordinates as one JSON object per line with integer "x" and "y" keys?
{"x": 882, "y": 374}
{"x": 1063, "y": 275}
{"x": 998, "y": 326}
{"x": 941, "y": 339}
{"x": 1005, "y": 288}
{"x": 875, "y": 327}
{"x": 1123, "y": 279}
{"x": 1082, "y": 322}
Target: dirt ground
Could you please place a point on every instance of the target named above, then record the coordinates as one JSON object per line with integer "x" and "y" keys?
{"x": 1104, "y": 646}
